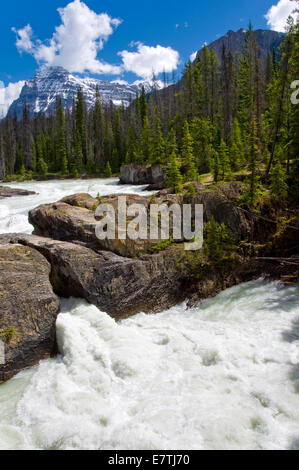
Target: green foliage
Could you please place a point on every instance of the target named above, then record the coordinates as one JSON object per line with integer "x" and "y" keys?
{"x": 219, "y": 253}
{"x": 187, "y": 154}
{"x": 162, "y": 245}
{"x": 108, "y": 171}
{"x": 278, "y": 186}
{"x": 42, "y": 167}
{"x": 253, "y": 192}
{"x": 157, "y": 143}
{"x": 9, "y": 334}
{"x": 174, "y": 175}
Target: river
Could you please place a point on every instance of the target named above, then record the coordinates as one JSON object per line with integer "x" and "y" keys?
{"x": 222, "y": 376}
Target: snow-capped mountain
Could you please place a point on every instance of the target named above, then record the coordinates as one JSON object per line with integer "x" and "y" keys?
{"x": 50, "y": 83}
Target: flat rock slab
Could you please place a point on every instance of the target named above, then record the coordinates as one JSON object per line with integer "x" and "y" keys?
{"x": 28, "y": 309}
{"x": 6, "y": 192}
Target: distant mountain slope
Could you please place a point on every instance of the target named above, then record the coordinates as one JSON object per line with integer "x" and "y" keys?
{"x": 41, "y": 92}
{"x": 234, "y": 41}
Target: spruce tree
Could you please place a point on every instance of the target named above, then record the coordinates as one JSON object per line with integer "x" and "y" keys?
{"x": 174, "y": 175}
{"x": 187, "y": 154}
{"x": 145, "y": 144}
{"x": 225, "y": 168}
{"x": 236, "y": 149}
{"x": 157, "y": 143}
{"x": 251, "y": 196}
{"x": 61, "y": 151}
{"x": 278, "y": 186}
{"x": 108, "y": 171}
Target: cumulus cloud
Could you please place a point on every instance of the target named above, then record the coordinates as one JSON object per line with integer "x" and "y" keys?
{"x": 24, "y": 36}
{"x": 76, "y": 43}
{"x": 8, "y": 95}
{"x": 148, "y": 60}
{"x": 278, "y": 14}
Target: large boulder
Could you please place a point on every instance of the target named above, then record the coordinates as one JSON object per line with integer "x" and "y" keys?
{"x": 5, "y": 192}
{"x": 140, "y": 174}
{"x": 29, "y": 308}
{"x": 73, "y": 219}
{"x": 116, "y": 285}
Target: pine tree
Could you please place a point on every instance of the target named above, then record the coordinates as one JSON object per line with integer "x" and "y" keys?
{"x": 80, "y": 125}
{"x": 145, "y": 144}
{"x": 187, "y": 154}
{"x": 108, "y": 171}
{"x": 171, "y": 144}
{"x": 216, "y": 167}
{"x": 61, "y": 152}
{"x": 132, "y": 155}
{"x": 174, "y": 175}
{"x": 157, "y": 144}
{"x": 202, "y": 136}
{"x": 225, "y": 168}
{"x": 278, "y": 186}
{"x": 42, "y": 167}
{"x": 236, "y": 149}
{"x": 143, "y": 106}
{"x": 251, "y": 196}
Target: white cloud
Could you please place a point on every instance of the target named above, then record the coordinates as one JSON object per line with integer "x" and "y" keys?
{"x": 76, "y": 43}
{"x": 278, "y": 14}
{"x": 8, "y": 95}
{"x": 148, "y": 60}
{"x": 193, "y": 56}
{"x": 24, "y": 36}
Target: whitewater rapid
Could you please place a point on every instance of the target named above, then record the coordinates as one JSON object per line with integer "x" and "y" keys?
{"x": 14, "y": 211}
{"x": 221, "y": 376}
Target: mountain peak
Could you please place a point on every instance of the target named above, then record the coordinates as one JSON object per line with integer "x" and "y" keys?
{"x": 51, "y": 83}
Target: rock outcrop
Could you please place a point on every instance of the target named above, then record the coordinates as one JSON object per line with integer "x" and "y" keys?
{"x": 73, "y": 218}
{"x": 29, "y": 308}
{"x": 5, "y": 192}
{"x": 116, "y": 285}
{"x": 155, "y": 175}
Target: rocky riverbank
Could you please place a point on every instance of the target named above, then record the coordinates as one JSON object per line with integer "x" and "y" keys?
{"x": 121, "y": 277}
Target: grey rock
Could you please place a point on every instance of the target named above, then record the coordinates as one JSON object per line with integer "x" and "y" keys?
{"x": 29, "y": 308}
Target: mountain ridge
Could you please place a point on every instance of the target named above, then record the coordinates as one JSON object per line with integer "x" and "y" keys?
{"x": 51, "y": 83}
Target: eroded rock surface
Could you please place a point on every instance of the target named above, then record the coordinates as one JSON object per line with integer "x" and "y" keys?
{"x": 116, "y": 285}
{"x": 28, "y": 308}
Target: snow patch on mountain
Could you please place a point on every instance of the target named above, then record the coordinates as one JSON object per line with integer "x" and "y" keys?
{"x": 51, "y": 83}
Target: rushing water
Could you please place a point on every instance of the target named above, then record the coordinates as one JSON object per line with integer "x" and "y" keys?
{"x": 222, "y": 376}
{"x": 14, "y": 211}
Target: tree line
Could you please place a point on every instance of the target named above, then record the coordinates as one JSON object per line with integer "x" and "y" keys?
{"x": 226, "y": 116}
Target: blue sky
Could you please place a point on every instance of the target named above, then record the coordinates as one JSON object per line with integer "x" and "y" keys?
{"x": 152, "y": 33}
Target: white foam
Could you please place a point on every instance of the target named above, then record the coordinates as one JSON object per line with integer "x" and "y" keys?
{"x": 223, "y": 376}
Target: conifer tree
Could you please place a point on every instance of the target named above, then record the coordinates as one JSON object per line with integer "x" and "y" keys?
{"x": 145, "y": 144}
{"x": 236, "y": 149}
{"x": 225, "y": 168}
{"x": 171, "y": 144}
{"x": 202, "y": 136}
{"x": 108, "y": 171}
{"x": 61, "y": 152}
{"x": 187, "y": 154}
{"x": 80, "y": 124}
{"x": 251, "y": 196}
{"x": 174, "y": 175}
{"x": 157, "y": 143}
{"x": 42, "y": 167}
{"x": 278, "y": 186}
{"x": 216, "y": 167}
